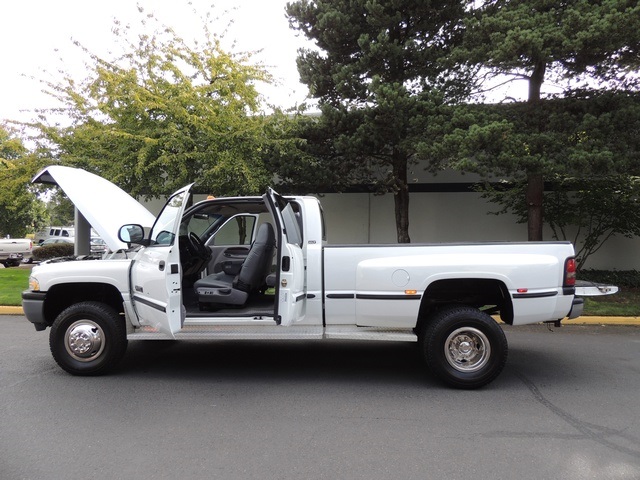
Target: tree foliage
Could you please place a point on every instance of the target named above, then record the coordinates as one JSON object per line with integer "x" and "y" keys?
{"x": 60, "y": 209}
{"x": 587, "y": 133}
{"x": 380, "y": 75}
{"x": 542, "y": 40}
{"x": 588, "y": 142}
{"x": 164, "y": 114}
{"x": 585, "y": 211}
{"x": 306, "y": 159}
{"x": 20, "y": 211}
{"x": 574, "y": 43}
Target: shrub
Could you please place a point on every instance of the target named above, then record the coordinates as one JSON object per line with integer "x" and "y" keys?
{"x": 619, "y": 278}
{"x": 52, "y": 251}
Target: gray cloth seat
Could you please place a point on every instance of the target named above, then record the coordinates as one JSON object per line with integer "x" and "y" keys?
{"x": 225, "y": 289}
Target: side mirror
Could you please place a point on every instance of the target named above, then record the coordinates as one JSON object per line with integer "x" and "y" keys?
{"x": 132, "y": 234}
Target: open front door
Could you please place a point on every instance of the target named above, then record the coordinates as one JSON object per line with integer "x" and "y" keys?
{"x": 291, "y": 282}
{"x": 156, "y": 273}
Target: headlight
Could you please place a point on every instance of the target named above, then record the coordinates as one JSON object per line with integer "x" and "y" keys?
{"x": 34, "y": 285}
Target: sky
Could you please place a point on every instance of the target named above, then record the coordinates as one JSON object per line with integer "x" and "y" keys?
{"x": 37, "y": 41}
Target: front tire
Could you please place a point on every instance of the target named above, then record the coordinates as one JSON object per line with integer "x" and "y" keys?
{"x": 88, "y": 338}
{"x": 464, "y": 347}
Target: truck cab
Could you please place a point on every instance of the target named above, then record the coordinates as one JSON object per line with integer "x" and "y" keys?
{"x": 239, "y": 260}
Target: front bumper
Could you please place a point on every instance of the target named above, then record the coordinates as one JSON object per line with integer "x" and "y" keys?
{"x": 33, "y": 306}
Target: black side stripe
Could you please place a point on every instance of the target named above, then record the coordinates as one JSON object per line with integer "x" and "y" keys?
{"x": 150, "y": 304}
{"x": 534, "y": 295}
{"x": 366, "y": 296}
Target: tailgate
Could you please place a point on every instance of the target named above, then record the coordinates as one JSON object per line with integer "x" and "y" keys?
{"x": 591, "y": 289}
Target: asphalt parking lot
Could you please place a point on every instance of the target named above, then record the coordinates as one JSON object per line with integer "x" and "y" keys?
{"x": 566, "y": 406}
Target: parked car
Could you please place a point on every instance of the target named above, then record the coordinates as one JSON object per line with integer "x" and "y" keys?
{"x": 13, "y": 251}
{"x": 98, "y": 245}
{"x": 50, "y": 241}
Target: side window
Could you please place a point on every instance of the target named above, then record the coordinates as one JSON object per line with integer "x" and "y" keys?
{"x": 292, "y": 224}
{"x": 65, "y": 233}
{"x": 324, "y": 230}
{"x": 237, "y": 231}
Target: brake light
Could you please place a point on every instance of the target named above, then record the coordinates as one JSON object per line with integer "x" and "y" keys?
{"x": 570, "y": 272}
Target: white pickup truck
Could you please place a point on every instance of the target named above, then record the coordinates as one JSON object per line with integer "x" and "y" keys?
{"x": 260, "y": 268}
{"x": 13, "y": 251}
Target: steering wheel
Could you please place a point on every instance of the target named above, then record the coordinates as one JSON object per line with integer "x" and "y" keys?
{"x": 198, "y": 248}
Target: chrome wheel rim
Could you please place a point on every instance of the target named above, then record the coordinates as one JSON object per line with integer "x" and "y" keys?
{"x": 84, "y": 340}
{"x": 467, "y": 349}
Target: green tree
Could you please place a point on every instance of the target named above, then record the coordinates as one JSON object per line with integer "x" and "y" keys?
{"x": 60, "y": 209}
{"x": 305, "y": 159}
{"x": 588, "y": 133}
{"x": 577, "y": 42}
{"x": 380, "y": 76}
{"x": 595, "y": 134}
{"x": 586, "y": 211}
{"x": 164, "y": 114}
{"x": 20, "y": 210}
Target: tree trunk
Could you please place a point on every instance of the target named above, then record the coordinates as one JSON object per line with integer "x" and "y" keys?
{"x": 534, "y": 197}
{"x": 535, "y": 181}
{"x": 401, "y": 196}
{"x": 535, "y": 81}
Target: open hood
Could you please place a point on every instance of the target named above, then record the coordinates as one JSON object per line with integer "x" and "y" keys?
{"x": 105, "y": 206}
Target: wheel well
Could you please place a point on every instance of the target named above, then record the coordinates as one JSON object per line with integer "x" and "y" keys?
{"x": 490, "y": 295}
{"x": 62, "y": 296}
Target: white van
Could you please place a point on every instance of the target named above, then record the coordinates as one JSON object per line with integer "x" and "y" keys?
{"x": 54, "y": 232}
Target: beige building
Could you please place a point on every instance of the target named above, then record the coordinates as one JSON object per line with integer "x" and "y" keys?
{"x": 444, "y": 211}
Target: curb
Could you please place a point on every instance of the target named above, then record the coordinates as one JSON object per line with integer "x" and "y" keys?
{"x": 586, "y": 320}
{"x": 578, "y": 321}
{"x": 11, "y": 311}
{"x": 593, "y": 320}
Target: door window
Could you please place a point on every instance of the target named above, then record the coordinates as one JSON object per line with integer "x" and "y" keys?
{"x": 162, "y": 231}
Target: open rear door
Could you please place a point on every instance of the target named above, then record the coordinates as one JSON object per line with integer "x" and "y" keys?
{"x": 291, "y": 293}
{"x": 156, "y": 274}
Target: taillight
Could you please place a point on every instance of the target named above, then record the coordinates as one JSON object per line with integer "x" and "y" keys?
{"x": 570, "y": 272}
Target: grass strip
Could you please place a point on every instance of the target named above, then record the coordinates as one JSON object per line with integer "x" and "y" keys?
{"x": 625, "y": 303}
{"x": 12, "y": 282}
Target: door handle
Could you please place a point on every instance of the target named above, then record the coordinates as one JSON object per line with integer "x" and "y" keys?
{"x": 161, "y": 265}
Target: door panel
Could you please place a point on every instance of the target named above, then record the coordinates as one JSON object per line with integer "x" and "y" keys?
{"x": 156, "y": 291}
{"x": 156, "y": 271}
{"x": 292, "y": 295}
{"x": 291, "y": 279}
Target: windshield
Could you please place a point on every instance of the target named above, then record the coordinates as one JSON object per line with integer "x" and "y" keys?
{"x": 202, "y": 223}
{"x": 163, "y": 230}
